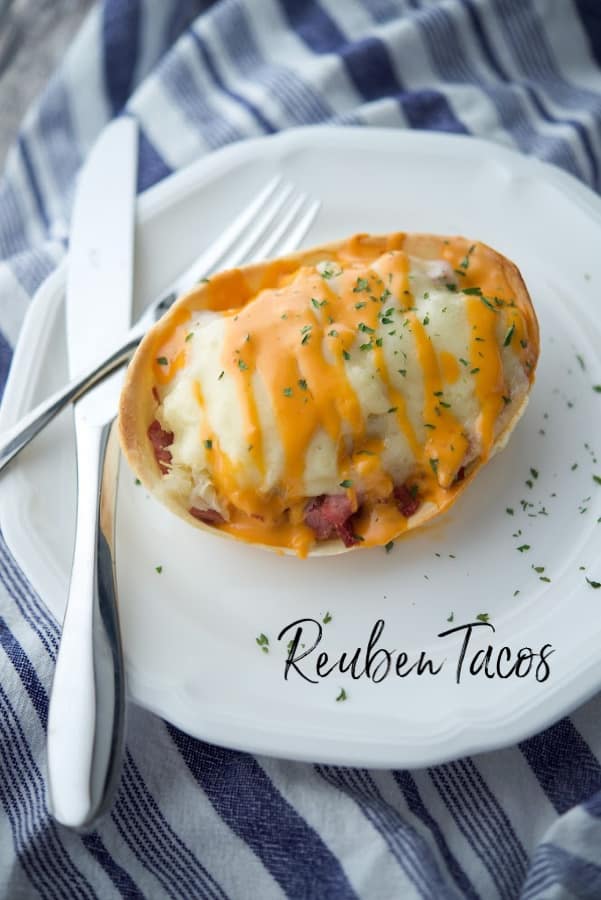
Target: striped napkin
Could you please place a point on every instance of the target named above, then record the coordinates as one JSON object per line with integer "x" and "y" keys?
{"x": 192, "y": 820}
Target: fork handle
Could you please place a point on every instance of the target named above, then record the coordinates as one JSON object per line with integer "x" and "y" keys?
{"x": 19, "y": 435}
{"x": 87, "y": 706}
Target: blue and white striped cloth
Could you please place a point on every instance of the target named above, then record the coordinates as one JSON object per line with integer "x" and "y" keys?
{"x": 192, "y": 820}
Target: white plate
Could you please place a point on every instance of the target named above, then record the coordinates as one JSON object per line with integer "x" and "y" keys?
{"x": 190, "y": 632}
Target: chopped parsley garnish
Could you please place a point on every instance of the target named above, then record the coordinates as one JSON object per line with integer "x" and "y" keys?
{"x": 402, "y": 372}
{"x": 330, "y": 273}
{"x": 137, "y": 481}
{"x": 287, "y": 392}
{"x": 597, "y": 479}
{"x": 361, "y": 305}
{"x": 220, "y": 376}
{"x": 509, "y": 511}
{"x": 506, "y": 400}
{"x": 333, "y": 333}
{"x": 474, "y": 371}
{"x": 385, "y": 295}
{"x": 597, "y": 388}
{"x": 158, "y": 569}
{"x": 379, "y": 342}
{"x": 473, "y": 291}
{"x": 205, "y": 281}
{"x": 318, "y": 303}
{"x": 162, "y": 361}
{"x": 426, "y": 319}
{"x": 346, "y": 354}
{"x": 434, "y": 465}
{"x": 393, "y": 409}
{"x": 263, "y": 642}
{"x": 523, "y": 548}
{"x": 482, "y": 617}
{"x": 242, "y": 365}
{"x": 388, "y": 547}
{"x": 387, "y": 321}
{"x": 438, "y": 393}
{"x": 361, "y": 285}
{"x": 347, "y": 483}
{"x": 327, "y": 618}
{"x": 446, "y": 405}
{"x": 365, "y": 328}
{"x": 208, "y": 444}
{"x": 302, "y": 384}
{"x": 189, "y": 336}
{"x": 509, "y": 335}
{"x": 306, "y": 333}
{"x": 366, "y": 347}
{"x": 451, "y": 287}
{"x": 594, "y": 584}
{"x": 341, "y": 696}
{"x": 427, "y": 425}
{"x": 451, "y": 617}
{"x": 534, "y": 472}
{"x": 581, "y": 361}
{"x": 463, "y": 361}
{"x": 464, "y": 264}
{"x": 539, "y": 569}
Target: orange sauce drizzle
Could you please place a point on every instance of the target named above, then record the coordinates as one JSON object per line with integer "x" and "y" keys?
{"x": 295, "y": 331}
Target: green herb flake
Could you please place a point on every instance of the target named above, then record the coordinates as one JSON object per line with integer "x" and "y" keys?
{"x": 208, "y": 444}
{"x": 523, "y": 548}
{"x": 137, "y": 481}
{"x": 220, "y": 376}
{"x": 158, "y": 569}
{"x": 204, "y": 281}
{"x": 434, "y": 465}
{"x": 162, "y": 361}
{"x": 379, "y": 342}
{"x": 346, "y": 354}
{"x": 318, "y": 303}
{"x": 426, "y": 319}
{"x": 483, "y": 617}
{"x": 393, "y": 409}
{"x": 263, "y": 642}
{"x": 189, "y": 336}
{"x": 365, "y": 328}
{"x": 594, "y": 584}
{"x": 327, "y": 618}
{"x": 302, "y": 384}
{"x": 366, "y": 347}
{"x": 388, "y": 547}
{"x": 509, "y": 335}
{"x": 347, "y": 483}
{"x": 242, "y": 365}
{"x": 341, "y": 696}
{"x": 597, "y": 388}
{"x": 402, "y": 372}
{"x": 509, "y": 511}
{"x": 597, "y": 479}
{"x": 539, "y": 569}
{"x": 473, "y": 291}
{"x": 581, "y": 362}
{"x": 361, "y": 285}
{"x": 474, "y": 371}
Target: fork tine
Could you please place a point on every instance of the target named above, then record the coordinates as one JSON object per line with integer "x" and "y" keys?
{"x": 215, "y": 253}
{"x": 299, "y": 231}
{"x": 263, "y": 249}
{"x": 244, "y": 249}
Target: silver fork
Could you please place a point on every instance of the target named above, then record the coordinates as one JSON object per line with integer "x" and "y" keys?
{"x": 276, "y": 220}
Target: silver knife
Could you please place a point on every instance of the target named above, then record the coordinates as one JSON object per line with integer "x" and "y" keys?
{"x": 86, "y": 716}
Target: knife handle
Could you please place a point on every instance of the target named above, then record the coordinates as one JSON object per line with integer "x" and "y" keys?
{"x": 16, "y": 438}
{"x": 86, "y": 724}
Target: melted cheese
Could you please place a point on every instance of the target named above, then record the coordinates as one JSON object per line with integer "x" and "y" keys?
{"x": 353, "y": 375}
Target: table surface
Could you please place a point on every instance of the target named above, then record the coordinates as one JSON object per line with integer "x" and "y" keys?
{"x": 33, "y": 36}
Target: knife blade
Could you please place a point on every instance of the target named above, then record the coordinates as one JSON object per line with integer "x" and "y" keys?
{"x": 86, "y": 715}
